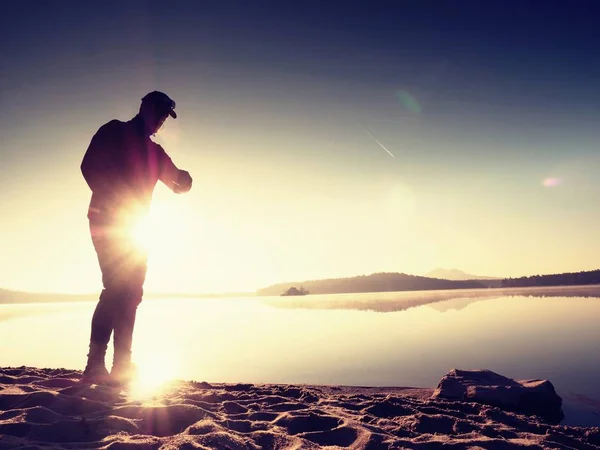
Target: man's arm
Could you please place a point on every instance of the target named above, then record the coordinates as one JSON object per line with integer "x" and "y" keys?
{"x": 179, "y": 181}
{"x": 98, "y": 166}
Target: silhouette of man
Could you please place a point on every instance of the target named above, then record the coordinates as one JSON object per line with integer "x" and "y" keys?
{"x": 122, "y": 166}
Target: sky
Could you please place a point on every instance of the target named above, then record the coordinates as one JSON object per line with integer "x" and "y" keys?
{"x": 325, "y": 139}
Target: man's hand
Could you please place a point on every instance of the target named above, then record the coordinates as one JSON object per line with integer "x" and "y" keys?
{"x": 183, "y": 183}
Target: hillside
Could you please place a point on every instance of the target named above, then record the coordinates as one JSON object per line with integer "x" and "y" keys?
{"x": 377, "y": 282}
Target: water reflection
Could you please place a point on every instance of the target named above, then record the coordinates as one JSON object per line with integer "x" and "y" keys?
{"x": 16, "y": 311}
{"x": 439, "y": 300}
{"x": 342, "y": 339}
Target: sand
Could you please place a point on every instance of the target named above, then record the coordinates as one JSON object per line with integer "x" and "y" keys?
{"x": 51, "y": 409}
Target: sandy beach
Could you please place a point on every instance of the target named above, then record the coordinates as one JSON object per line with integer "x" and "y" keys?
{"x": 51, "y": 409}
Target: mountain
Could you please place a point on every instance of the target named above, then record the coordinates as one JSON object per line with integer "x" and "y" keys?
{"x": 377, "y": 282}
{"x": 456, "y": 274}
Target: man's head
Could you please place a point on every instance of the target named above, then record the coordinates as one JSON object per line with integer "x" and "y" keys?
{"x": 154, "y": 110}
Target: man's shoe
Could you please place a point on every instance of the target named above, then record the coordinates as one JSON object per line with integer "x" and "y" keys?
{"x": 95, "y": 374}
{"x": 122, "y": 374}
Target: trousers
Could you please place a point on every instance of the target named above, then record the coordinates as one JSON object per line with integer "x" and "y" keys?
{"x": 123, "y": 265}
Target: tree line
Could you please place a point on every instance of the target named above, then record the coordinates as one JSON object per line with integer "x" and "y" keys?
{"x": 560, "y": 279}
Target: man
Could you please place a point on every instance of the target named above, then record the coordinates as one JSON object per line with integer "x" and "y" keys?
{"x": 122, "y": 166}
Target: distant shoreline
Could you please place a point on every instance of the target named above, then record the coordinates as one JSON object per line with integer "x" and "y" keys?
{"x": 21, "y": 297}
{"x": 592, "y": 290}
{"x": 398, "y": 282}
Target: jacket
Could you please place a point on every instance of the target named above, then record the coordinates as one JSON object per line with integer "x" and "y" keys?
{"x": 121, "y": 167}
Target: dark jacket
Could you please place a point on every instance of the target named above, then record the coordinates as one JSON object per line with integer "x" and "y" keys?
{"x": 121, "y": 166}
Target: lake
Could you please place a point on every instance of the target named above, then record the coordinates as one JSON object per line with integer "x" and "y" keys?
{"x": 378, "y": 339}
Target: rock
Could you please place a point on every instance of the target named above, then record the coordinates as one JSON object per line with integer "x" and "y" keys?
{"x": 532, "y": 397}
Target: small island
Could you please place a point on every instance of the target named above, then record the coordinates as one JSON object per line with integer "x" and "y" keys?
{"x": 295, "y": 291}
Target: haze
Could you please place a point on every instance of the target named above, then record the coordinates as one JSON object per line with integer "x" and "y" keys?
{"x": 288, "y": 120}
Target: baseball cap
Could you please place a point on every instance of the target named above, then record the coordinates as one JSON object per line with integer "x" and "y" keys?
{"x": 162, "y": 102}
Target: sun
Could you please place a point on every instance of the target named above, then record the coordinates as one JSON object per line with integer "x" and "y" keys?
{"x": 142, "y": 231}
{"x": 154, "y": 373}
{"x": 159, "y": 230}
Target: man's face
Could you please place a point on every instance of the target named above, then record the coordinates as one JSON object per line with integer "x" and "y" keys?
{"x": 157, "y": 120}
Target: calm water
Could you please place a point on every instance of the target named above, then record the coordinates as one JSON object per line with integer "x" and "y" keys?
{"x": 383, "y": 339}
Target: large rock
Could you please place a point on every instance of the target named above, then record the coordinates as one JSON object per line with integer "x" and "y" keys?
{"x": 533, "y": 397}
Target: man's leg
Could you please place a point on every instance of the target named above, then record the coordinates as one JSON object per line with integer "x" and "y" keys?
{"x": 124, "y": 322}
{"x": 102, "y": 326}
{"x": 109, "y": 258}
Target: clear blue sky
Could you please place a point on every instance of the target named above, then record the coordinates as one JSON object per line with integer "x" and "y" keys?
{"x": 489, "y": 108}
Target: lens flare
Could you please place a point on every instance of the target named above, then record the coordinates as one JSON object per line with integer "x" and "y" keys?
{"x": 408, "y": 101}
{"x": 551, "y": 182}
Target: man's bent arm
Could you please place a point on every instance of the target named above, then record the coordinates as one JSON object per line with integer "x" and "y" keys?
{"x": 169, "y": 173}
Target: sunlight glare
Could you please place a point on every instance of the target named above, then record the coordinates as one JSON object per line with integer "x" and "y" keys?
{"x": 154, "y": 372}
{"x": 155, "y": 232}
{"x": 142, "y": 232}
